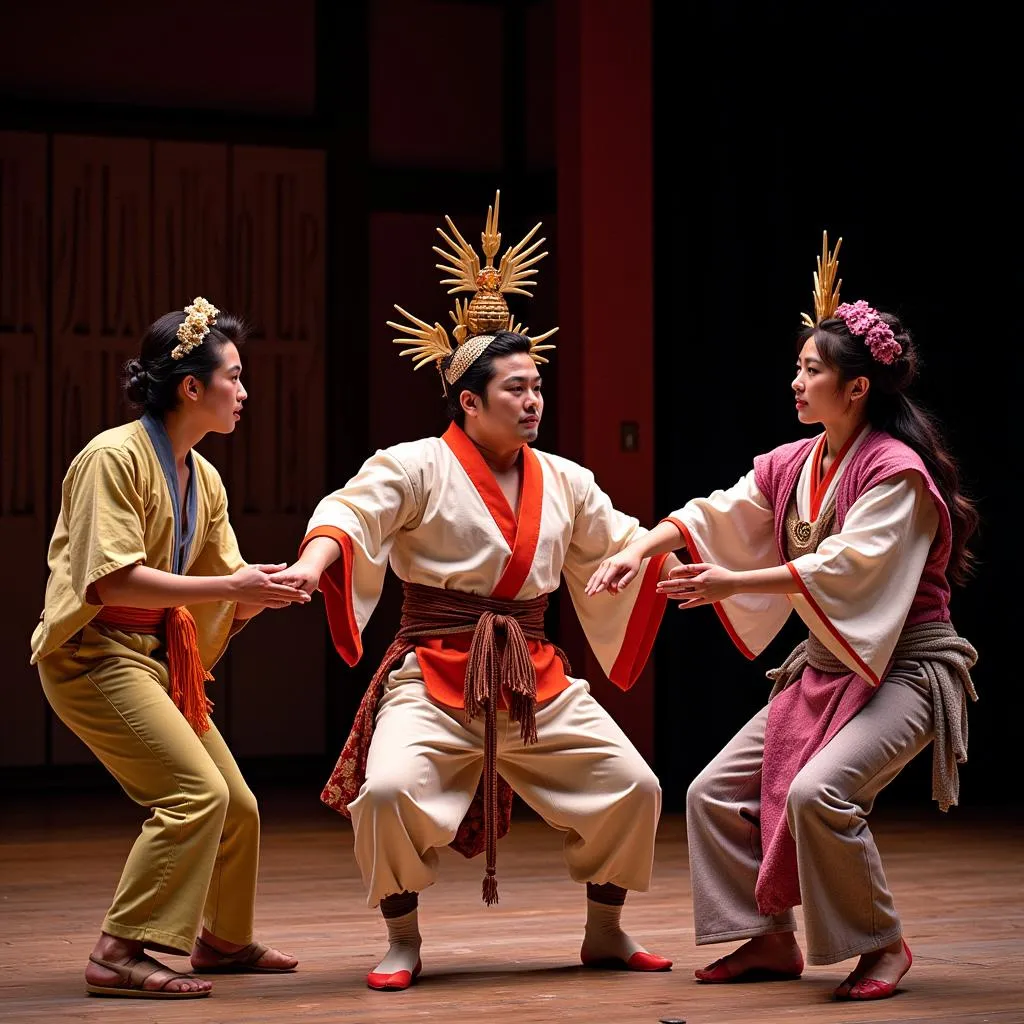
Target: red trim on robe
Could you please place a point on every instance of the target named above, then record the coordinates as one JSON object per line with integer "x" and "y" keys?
{"x": 719, "y": 610}
{"x": 819, "y": 486}
{"x": 531, "y": 504}
{"x": 642, "y": 627}
{"x": 483, "y": 480}
{"x": 865, "y": 672}
{"x": 336, "y": 584}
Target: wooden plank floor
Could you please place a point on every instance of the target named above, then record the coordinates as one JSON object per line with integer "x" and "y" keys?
{"x": 959, "y": 881}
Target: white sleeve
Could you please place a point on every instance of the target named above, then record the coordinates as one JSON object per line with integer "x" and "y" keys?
{"x": 735, "y": 528}
{"x": 363, "y": 517}
{"x": 857, "y": 588}
{"x": 620, "y": 628}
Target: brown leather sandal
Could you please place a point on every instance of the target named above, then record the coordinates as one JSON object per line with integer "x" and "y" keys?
{"x": 133, "y": 975}
{"x": 243, "y": 961}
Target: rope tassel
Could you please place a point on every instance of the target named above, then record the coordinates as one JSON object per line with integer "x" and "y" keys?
{"x": 486, "y": 674}
{"x": 185, "y": 667}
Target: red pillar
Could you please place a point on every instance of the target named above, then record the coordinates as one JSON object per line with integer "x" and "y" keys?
{"x": 605, "y": 270}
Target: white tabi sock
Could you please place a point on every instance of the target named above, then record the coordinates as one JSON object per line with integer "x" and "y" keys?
{"x": 604, "y": 936}
{"x": 405, "y": 941}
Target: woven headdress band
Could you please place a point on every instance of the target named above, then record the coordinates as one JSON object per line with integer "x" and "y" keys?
{"x": 479, "y": 319}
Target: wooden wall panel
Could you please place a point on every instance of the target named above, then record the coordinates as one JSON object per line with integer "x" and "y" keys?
{"x": 135, "y": 228}
{"x": 102, "y": 300}
{"x": 190, "y": 258}
{"x": 277, "y": 453}
{"x": 24, "y": 529}
{"x": 190, "y": 193}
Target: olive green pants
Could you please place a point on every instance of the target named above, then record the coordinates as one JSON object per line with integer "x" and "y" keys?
{"x": 196, "y": 858}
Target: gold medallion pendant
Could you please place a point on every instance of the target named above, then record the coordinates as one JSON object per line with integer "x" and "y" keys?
{"x": 802, "y": 531}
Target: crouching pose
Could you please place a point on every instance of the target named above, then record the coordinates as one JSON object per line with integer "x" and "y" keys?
{"x": 480, "y": 526}
{"x": 860, "y": 530}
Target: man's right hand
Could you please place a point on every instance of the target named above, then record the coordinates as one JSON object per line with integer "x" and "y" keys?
{"x": 300, "y": 575}
{"x": 615, "y": 573}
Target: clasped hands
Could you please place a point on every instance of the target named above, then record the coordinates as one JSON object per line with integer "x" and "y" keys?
{"x": 691, "y": 585}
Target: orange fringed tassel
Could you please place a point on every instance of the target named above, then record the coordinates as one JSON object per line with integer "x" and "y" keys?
{"x": 188, "y": 677}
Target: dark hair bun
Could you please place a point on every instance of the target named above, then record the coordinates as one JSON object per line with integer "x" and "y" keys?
{"x": 136, "y": 382}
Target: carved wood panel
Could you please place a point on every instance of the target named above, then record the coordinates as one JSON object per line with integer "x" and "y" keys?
{"x": 24, "y": 526}
{"x": 101, "y": 304}
{"x": 102, "y": 295}
{"x": 276, "y": 275}
{"x": 190, "y": 229}
{"x": 277, "y": 280}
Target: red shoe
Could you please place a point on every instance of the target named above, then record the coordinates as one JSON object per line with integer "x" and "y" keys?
{"x": 872, "y": 988}
{"x": 394, "y": 982}
{"x": 639, "y": 961}
{"x": 718, "y": 974}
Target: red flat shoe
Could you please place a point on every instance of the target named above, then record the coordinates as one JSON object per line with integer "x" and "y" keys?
{"x": 718, "y": 974}
{"x": 639, "y": 961}
{"x": 396, "y": 982}
{"x": 871, "y": 988}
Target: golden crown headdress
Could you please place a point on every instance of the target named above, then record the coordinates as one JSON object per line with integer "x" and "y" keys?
{"x": 826, "y": 287}
{"x": 476, "y": 320}
{"x": 862, "y": 320}
{"x": 200, "y": 316}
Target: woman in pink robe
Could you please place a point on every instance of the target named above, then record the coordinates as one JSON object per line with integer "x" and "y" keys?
{"x": 860, "y": 530}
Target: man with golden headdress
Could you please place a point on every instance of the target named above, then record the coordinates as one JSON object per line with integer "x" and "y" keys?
{"x": 472, "y": 701}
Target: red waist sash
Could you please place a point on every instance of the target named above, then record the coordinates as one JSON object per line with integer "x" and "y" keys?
{"x": 184, "y": 665}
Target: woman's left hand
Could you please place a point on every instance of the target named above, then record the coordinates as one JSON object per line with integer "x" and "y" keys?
{"x": 697, "y": 584}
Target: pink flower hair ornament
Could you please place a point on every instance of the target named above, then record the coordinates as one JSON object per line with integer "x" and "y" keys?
{"x": 864, "y": 321}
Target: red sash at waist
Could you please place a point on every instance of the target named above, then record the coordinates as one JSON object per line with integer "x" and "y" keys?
{"x": 133, "y": 620}
{"x": 184, "y": 665}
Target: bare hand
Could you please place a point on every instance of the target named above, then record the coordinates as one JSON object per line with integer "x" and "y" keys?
{"x": 255, "y": 585}
{"x": 614, "y": 573}
{"x": 697, "y": 584}
{"x": 300, "y": 575}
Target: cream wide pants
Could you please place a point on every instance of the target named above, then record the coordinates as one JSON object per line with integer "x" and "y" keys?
{"x": 583, "y": 777}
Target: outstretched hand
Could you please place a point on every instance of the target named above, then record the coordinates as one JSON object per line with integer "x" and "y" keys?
{"x": 614, "y": 573}
{"x": 256, "y": 586}
{"x": 300, "y": 576}
{"x": 697, "y": 584}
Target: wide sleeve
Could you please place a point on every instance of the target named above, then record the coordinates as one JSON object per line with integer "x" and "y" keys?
{"x": 219, "y": 555}
{"x": 619, "y": 627}
{"x": 857, "y": 588}
{"x": 735, "y": 528}
{"x": 104, "y": 513}
{"x": 363, "y": 517}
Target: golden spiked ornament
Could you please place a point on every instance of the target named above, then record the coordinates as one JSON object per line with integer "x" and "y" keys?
{"x": 826, "y": 297}
{"x": 476, "y": 320}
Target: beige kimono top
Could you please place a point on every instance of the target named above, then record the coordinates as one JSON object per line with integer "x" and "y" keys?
{"x": 119, "y": 507}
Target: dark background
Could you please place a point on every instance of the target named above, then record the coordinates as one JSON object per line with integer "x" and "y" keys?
{"x": 896, "y": 126}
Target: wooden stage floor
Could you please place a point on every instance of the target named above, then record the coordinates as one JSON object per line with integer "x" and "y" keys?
{"x": 958, "y": 879}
